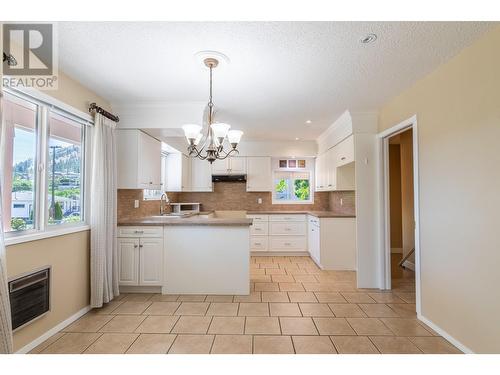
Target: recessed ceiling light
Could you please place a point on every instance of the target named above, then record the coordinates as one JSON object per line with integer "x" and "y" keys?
{"x": 370, "y": 38}
{"x": 296, "y": 138}
{"x": 308, "y": 121}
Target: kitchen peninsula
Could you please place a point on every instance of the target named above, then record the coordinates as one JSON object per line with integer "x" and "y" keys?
{"x": 198, "y": 254}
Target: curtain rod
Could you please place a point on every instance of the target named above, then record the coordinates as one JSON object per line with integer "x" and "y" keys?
{"x": 102, "y": 111}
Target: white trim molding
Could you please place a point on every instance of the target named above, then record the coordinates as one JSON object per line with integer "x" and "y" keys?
{"x": 51, "y": 332}
{"x": 445, "y": 335}
{"x": 384, "y": 230}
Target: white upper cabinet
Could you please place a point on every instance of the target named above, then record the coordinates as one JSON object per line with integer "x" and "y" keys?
{"x": 345, "y": 152}
{"x": 335, "y": 167}
{"x": 177, "y": 172}
{"x": 220, "y": 167}
{"x": 231, "y": 165}
{"x": 237, "y": 165}
{"x": 201, "y": 176}
{"x": 259, "y": 173}
{"x": 138, "y": 160}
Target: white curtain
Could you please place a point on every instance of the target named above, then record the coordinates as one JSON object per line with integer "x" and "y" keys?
{"x": 103, "y": 245}
{"x": 5, "y": 318}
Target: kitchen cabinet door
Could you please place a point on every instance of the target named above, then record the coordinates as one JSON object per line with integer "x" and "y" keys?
{"x": 345, "y": 152}
{"x": 201, "y": 176}
{"x": 186, "y": 173}
{"x": 151, "y": 261}
{"x": 314, "y": 243}
{"x": 220, "y": 167}
{"x": 128, "y": 260}
{"x": 149, "y": 164}
{"x": 331, "y": 169}
{"x": 259, "y": 174}
{"x": 237, "y": 165}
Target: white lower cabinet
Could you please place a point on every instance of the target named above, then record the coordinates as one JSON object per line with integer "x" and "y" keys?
{"x": 332, "y": 242}
{"x": 128, "y": 255}
{"x": 140, "y": 256}
{"x": 278, "y": 233}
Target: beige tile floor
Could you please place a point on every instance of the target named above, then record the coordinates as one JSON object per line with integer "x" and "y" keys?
{"x": 294, "y": 307}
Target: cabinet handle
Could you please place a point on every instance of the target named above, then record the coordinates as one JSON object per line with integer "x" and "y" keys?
{"x": 287, "y": 243}
{"x": 136, "y": 246}
{"x": 139, "y": 231}
{"x": 288, "y": 229}
{"x": 342, "y": 158}
{"x": 258, "y": 243}
{"x": 141, "y": 246}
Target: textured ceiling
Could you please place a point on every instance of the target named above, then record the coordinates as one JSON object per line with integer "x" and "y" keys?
{"x": 281, "y": 73}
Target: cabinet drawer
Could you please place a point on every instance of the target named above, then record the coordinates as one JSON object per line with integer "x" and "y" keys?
{"x": 259, "y": 229}
{"x": 259, "y": 243}
{"x": 258, "y": 217}
{"x": 140, "y": 232}
{"x": 294, "y": 217}
{"x": 290, "y": 228}
{"x": 284, "y": 243}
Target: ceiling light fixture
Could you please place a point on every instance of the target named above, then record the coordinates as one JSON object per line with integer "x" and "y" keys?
{"x": 308, "y": 122}
{"x": 216, "y": 133}
{"x": 296, "y": 138}
{"x": 370, "y": 38}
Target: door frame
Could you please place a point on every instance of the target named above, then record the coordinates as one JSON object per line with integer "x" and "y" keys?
{"x": 385, "y": 244}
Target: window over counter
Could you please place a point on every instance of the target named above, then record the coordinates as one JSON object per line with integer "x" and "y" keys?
{"x": 43, "y": 165}
{"x": 292, "y": 187}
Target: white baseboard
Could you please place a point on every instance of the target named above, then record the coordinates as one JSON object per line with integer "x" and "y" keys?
{"x": 446, "y": 335}
{"x": 409, "y": 265}
{"x": 51, "y": 332}
{"x": 396, "y": 250}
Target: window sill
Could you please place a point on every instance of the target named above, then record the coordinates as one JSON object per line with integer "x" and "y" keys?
{"x": 292, "y": 202}
{"x": 14, "y": 238}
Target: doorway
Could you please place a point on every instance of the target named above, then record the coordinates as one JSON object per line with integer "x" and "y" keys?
{"x": 401, "y": 209}
{"x": 400, "y": 255}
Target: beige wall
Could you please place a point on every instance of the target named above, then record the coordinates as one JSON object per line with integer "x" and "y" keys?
{"x": 70, "y": 289}
{"x": 68, "y": 255}
{"x": 458, "y": 114}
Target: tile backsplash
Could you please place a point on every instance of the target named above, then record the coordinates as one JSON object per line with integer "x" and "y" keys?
{"x": 233, "y": 196}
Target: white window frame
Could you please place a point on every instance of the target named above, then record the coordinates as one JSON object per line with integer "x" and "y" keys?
{"x": 292, "y": 171}
{"x": 46, "y": 104}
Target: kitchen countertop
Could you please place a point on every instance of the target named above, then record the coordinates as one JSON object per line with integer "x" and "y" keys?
{"x": 318, "y": 214}
{"x": 203, "y": 218}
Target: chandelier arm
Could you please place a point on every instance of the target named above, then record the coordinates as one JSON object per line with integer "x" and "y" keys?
{"x": 227, "y": 154}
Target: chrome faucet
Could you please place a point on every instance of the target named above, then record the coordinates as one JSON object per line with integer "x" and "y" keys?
{"x": 163, "y": 201}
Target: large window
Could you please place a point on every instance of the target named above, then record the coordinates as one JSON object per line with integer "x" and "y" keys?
{"x": 19, "y": 161}
{"x": 43, "y": 165}
{"x": 64, "y": 170}
{"x": 292, "y": 187}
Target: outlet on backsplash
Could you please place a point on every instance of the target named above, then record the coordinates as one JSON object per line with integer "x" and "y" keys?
{"x": 136, "y": 203}
{"x": 259, "y": 200}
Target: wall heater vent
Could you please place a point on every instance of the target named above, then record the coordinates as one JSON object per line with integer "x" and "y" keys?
{"x": 29, "y": 297}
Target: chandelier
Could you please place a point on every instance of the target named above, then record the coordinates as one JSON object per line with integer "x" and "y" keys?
{"x": 212, "y": 147}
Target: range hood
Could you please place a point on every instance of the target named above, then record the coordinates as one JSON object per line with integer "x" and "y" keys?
{"x": 229, "y": 178}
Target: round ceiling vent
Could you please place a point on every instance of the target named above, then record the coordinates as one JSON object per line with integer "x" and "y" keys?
{"x": 370, "y": 38}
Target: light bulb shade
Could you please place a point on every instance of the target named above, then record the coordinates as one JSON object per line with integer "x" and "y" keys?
{"x": 220, "y": 129}
{"x": 191, "y": 131}
{"x": 234, "y": 136}
{"x": 198, "y": 139}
